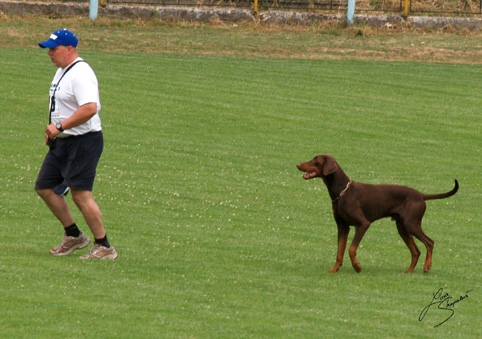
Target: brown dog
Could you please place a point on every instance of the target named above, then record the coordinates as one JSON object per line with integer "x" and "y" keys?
{"x": 360, "y": 204}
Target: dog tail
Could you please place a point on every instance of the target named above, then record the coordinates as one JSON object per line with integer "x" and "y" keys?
{"x": 442, "y": 195}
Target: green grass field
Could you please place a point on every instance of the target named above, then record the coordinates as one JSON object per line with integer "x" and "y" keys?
{"x": 218, "y": 234}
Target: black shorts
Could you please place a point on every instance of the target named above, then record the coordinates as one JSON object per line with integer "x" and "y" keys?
{"x": 73, "y": 162}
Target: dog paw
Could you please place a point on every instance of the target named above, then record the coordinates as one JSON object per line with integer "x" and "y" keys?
{"x": 357, "y": 267}
{"x": 334, "y": 269}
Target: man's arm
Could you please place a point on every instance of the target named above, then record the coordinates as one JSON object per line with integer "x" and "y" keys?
{"x": 81, "y": 115}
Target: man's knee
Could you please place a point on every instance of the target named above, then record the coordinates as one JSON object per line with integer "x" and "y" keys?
{"x": 43, "y": 193}
{"x": 81, "y": 198}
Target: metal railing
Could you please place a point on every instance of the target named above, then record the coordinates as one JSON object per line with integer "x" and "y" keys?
{"x": 458, "y": 7}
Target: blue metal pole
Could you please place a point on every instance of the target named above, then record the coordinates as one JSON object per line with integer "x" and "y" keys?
{"x": 350, "y": 13}
{"x": 94, "y": 5}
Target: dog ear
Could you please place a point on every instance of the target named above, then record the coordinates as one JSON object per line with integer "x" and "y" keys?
{"x": 329, "y": 166}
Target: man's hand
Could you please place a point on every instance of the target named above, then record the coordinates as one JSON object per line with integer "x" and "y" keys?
{"x": 51, "y": 132}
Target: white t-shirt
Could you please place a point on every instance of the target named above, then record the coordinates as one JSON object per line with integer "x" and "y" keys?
{"x": 78, "y": 87}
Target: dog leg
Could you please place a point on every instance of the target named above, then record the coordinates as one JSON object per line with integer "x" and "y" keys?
{"x": 342, "y": 240}
{"x": 359, "y": 233}
{"x": 408, "y": 239}
{"x": 428, "y": 245}
{"x": 412, "y": 225}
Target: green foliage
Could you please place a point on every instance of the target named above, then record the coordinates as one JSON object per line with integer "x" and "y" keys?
{"x": 218, "y": 234}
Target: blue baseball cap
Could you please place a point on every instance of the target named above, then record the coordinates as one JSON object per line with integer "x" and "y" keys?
{"x": 62, "y": 37}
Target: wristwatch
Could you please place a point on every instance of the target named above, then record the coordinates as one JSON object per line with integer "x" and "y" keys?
{"x": 59, "y": 127}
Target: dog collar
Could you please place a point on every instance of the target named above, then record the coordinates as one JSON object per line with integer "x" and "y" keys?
{"x": 342, "y": 192}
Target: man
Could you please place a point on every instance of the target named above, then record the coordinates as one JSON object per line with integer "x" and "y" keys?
{"x": 74, "y": 136}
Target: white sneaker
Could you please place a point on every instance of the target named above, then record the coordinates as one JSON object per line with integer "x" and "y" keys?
{"x": 70, "y": 244}
{"x": 100, "y": 252}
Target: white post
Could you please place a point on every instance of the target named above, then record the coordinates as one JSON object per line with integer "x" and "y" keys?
{"x": 94, "y": 6}
{"x": 350, "y": 13}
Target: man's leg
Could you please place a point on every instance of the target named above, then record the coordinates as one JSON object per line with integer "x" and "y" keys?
{"x": 90, "y": 210}
{"x": 57, "y": 205}
{"x": 73, "y": 238}
{"x": 93, "y": 217}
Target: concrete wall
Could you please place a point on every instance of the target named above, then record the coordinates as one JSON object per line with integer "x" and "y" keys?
{"x": 58, "y": 10}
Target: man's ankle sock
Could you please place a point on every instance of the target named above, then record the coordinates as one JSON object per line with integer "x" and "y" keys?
{"x": 72, "y": 231}
{"x": 104, "y": 242}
